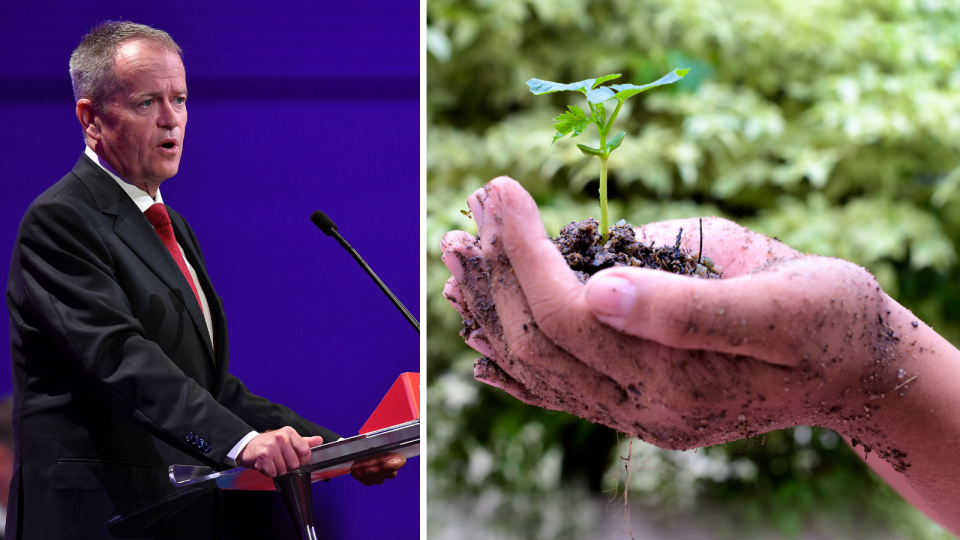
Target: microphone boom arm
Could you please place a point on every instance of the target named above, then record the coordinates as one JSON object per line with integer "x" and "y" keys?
{"x": 383, "y": 287}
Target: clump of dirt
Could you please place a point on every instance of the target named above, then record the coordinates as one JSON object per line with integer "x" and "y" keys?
{"x": 579, "y": 243}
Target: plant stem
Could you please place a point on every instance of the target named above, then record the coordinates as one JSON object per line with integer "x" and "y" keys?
{"x": 604, "y": 130}
{"x": 604, "y": 220}
{"x": 613, "y": 117}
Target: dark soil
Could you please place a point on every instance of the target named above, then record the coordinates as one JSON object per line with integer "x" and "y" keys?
{"x": 579, "y": 243}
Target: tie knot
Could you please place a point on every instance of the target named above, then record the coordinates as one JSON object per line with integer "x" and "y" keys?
{"x": 158, "y": 216}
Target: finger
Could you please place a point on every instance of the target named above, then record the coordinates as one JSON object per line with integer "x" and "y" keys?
{"x": 477, "y": 341}
{"x": 789, "y": 311}
{"x": 551, "y": 309}
{"x": 462, "y": 252}
{"x": 358, "y": 474}
{"x": 481, "y": 325}
{"x": 533, "y": 368}
{"x": 395, "y": 463}
{"x": 454, "y": 238}
{"x": 527, "y": 364}
{"x": 454, "y": 246}
{"x": 369, "y": 471}
{"x": 475, "y": 338}
{"x": 285, "y": 457}
{"x": 314, "y": 441}
{"x": 267, "y": 466}
{"x": 280, "y": 464}
{"x": 451, "y": 291}
{"x": 589, "y": 398}
{"x": 488, "y": 372}
{"x": 373, "y": 478}
{"x": 290, "y": 459}
{"x": 302, "y": 449}
{"x": 365, "y": 462}
{"x": 453, "y": 257}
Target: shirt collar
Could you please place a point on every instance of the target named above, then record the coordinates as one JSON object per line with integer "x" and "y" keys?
{"x": 140, "y": 197}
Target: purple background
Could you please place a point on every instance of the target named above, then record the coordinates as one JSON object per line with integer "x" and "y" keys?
{"x": 291, "y": 110}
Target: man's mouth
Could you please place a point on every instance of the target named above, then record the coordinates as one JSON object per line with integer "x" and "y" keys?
{"x": 168, "y": 144}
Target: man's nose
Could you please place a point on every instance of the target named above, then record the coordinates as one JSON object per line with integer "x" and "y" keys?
{"x": 169, "y": 116}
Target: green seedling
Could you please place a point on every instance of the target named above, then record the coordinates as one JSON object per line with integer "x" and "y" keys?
{"x": 575, "y": 119}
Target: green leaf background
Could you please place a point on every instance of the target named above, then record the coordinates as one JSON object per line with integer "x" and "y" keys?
{"x": 832, "y": 125}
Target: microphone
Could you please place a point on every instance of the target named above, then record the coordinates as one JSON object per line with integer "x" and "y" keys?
{"x": 329, "y": 228}
{"x": 323, "y": 222}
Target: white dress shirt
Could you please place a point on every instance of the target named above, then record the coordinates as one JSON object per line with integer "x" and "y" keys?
{"x": 143, "y": 200}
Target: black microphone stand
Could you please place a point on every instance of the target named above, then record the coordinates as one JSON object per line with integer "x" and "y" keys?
{"x": 326, "y": 225}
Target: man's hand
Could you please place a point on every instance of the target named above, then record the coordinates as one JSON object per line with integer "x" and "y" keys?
{"x": 274, "y": 453}
{"x": 377, "y": 469}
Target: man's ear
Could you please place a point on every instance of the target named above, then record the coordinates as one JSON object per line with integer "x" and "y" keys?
{"x": 87, "y": 115}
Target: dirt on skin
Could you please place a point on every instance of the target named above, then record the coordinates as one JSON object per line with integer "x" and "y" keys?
{"x": 579, "y": 243}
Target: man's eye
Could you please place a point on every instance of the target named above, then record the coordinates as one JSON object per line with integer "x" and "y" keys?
{"x": 180, "y": 100}
{"x": 146, "y": 103}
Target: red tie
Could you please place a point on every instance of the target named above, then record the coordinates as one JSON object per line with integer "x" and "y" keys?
{"x": 160, "y": 219}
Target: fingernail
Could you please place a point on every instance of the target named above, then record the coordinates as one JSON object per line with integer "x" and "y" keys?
{"x": 453, "y": 264}
{"x": 476, "y": 207}
{"x": 611, "y": 296}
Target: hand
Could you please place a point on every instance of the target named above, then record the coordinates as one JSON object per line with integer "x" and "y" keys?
{"x": 375, "y": 470}
{"x": 784, "y": 339}
{"x": 275, "y": 453}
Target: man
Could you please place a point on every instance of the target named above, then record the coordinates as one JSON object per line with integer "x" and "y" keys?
{"x": 119, "y": 342}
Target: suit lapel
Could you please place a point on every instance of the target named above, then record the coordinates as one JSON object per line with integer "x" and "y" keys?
{"x": 193, "y": 257}
{"x": 191, "y": 249}
{"x": 133, "y": 229}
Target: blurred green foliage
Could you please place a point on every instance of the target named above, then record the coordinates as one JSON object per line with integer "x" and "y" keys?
{"x": 833, "y": 125}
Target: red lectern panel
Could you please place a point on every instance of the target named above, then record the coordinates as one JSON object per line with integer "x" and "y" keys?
{"x": 400, "y": 405}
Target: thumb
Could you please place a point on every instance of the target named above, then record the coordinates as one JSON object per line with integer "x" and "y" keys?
{"x": 790, "y": 311}
{"x": 313, "y": 441}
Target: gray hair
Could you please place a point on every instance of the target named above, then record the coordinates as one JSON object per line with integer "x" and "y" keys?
{"x": 92, "y": 67}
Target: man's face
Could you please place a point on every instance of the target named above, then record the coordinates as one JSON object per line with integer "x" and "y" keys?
{"x": 141, "y": 128}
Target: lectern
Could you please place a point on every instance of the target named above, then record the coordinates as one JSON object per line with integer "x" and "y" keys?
{"x": 326, "y": 461}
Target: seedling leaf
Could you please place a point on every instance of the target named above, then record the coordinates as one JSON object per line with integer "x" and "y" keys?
{"x": 615, "y": 142}
{"x": 604, "y": 79}
{"x": 587, "y": 86}
{"x": 625, "y": 91}
{"x": 587, "y": 151}
{"x": 599, "y": 95}
{"x": 539, "y": 87}
{"x": 573, "y": 120}
{"x": 599, "y": 113}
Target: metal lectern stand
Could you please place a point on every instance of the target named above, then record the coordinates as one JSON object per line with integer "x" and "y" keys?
{"x": 327, "y": 461}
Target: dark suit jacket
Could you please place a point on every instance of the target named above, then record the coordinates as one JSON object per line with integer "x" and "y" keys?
{"x": 113, "y": 367}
